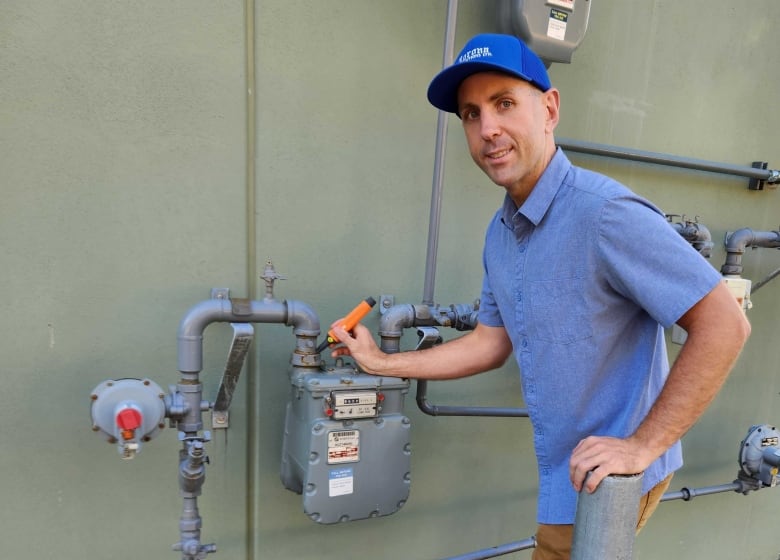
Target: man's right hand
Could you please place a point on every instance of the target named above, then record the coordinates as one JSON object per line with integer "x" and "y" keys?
{"x": 360, "y": 345}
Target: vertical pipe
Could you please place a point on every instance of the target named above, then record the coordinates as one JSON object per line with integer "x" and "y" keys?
{"x": 252, "y": 482}
{"x": 251, "y": 129}
{"x": 605, "y": 523}
{"x": 438, "y": 164}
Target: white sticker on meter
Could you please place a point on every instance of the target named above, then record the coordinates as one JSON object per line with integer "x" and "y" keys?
{"x": 343, "y": 447}
{"x": 341, "y": 482}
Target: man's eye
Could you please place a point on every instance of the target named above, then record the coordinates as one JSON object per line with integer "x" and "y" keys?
{"x": 506, "y": 103}
{"x": 470, "y": 115}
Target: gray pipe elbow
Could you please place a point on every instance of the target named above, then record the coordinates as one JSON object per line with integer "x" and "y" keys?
{"x": 190, "y": 336}
{"x": 201, "y": 315}
{"x": 738, "y": 241}
{"x": 395, "y": 319}
{"x": 302, "y": 318}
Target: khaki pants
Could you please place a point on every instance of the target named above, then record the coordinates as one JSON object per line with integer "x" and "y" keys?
{"x": 553, "y": 542}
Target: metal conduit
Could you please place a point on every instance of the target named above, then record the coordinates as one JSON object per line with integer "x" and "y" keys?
{"x": 496, "y": 550}
{"x": 759, "y": 175}
{"x": 438, "y": 164}
{"x": 687, "y": 494}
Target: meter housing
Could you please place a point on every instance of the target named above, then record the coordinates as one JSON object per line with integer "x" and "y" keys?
{"x": 346, "y": 444}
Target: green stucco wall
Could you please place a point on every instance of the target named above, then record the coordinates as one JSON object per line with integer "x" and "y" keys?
{"x": 125, "y": 171}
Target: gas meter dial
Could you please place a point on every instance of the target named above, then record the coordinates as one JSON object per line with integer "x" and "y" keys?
{"x": 345, "y": 405}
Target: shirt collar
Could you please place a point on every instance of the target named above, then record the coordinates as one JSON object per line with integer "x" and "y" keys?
{"x": 538, "y": 202}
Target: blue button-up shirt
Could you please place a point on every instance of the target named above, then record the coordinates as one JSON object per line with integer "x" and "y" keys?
{"x": 584, "y": 277}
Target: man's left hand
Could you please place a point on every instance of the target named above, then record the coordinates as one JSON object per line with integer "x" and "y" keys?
{"x": 603, "y": 456}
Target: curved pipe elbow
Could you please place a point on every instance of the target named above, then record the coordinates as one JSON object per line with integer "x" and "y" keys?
{"x": 738, "y": 241}
{"x": 302, "y": 318}
{"x": 201, "y": 315}
{"x": 395, "y": 319}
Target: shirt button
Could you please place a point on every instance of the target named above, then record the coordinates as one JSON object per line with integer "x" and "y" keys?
{"x": 525, "y": 343}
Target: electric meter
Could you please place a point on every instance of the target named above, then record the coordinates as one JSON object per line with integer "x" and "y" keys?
{"x": 552, "y": 28}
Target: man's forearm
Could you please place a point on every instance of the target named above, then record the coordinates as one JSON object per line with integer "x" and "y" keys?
{"x": 717, "y": 330}
{"x": 483, "y": 349}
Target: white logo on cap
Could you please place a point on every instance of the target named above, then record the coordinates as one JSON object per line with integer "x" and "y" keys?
{"x": 479, "y": 52}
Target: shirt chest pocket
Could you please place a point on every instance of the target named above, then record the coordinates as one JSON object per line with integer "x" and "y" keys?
{"x": 558, "y": 311}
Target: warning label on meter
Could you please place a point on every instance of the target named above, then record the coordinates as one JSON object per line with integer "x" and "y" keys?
{"x": 556, "y": 25}
{"x": 343, "y": 447}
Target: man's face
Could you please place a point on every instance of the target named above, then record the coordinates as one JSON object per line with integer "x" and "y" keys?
{"x": 509, "y": 125}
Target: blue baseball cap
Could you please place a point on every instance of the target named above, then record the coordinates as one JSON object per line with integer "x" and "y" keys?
{"x": 488, "y": 52}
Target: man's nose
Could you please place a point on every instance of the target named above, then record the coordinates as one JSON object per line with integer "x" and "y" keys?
{"x": 489, "y": 127}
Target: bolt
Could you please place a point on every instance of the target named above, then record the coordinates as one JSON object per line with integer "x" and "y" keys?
{"x": 146, "y": 382}
{"x": 95, "y": 429}
{"x": 161, "y": 425}
{"x": 93, "y": 397}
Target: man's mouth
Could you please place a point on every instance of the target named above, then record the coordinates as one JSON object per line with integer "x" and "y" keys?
{"x": 498, "y": 154}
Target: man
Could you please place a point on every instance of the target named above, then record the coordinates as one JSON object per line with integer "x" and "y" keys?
{"x": 581, "y": 276}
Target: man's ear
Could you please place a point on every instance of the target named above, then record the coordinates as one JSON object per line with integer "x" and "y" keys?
{"x": 552, "y": 101}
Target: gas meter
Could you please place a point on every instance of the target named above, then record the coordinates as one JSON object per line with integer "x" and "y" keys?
{"x": 346, "y": 444}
